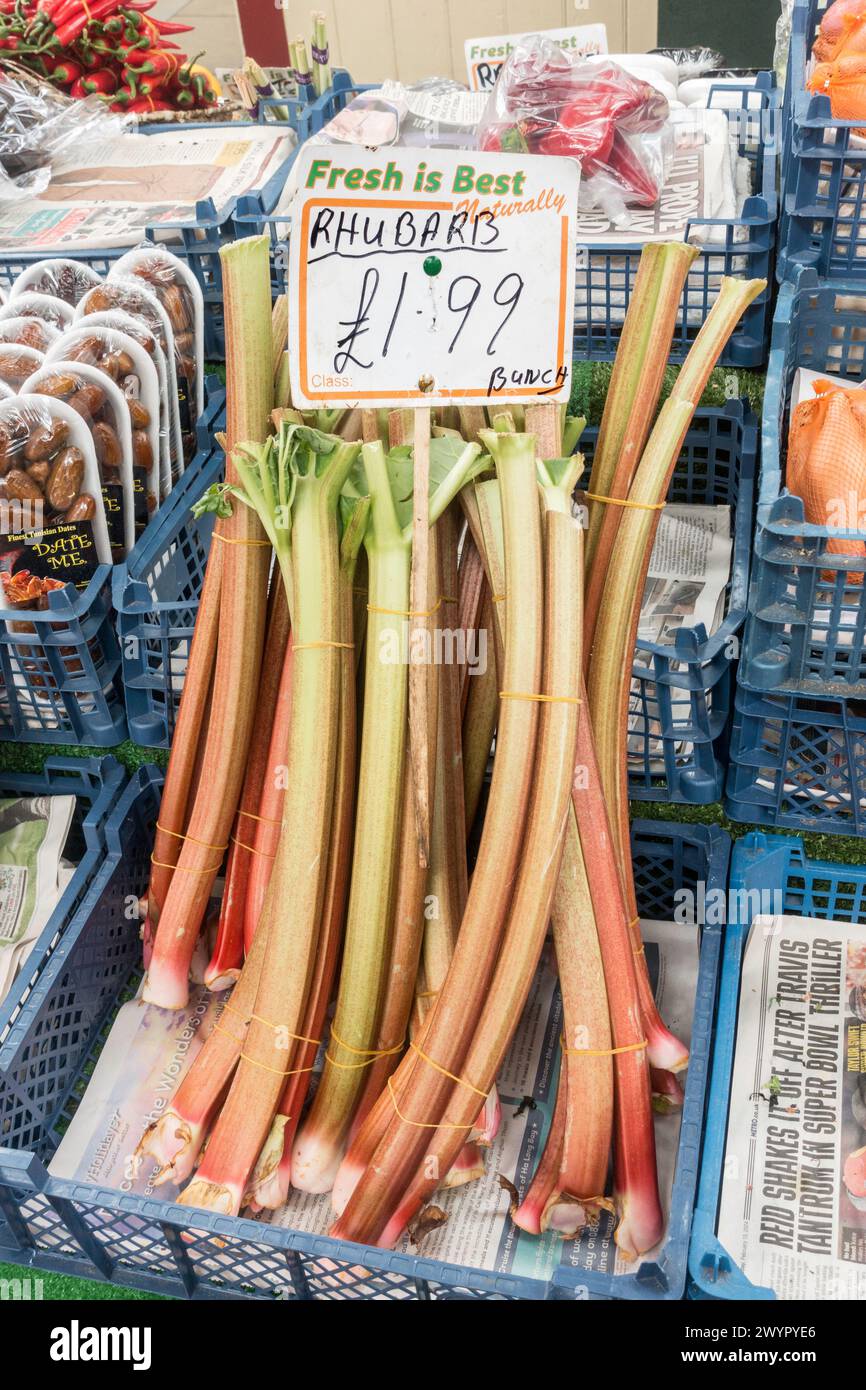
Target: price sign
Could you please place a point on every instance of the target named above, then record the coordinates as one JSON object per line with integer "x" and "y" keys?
{"x": 431, "y": 276}
{"x": 484, "y": 57}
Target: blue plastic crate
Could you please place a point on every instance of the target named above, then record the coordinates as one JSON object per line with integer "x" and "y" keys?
{"x": 97, "y": 784}
{"x": 824, "y": 171}
{"x": 198, "y": 242}
{"x": 156, "y": 592}
{"x": 606, "y": 272}
{"x": 798, "y": 763}
{"x": 806, "y": 630}
{"x": 76, "y": 1228}
{"x": 683, "y": 701}
{"x": 809, "y": 888}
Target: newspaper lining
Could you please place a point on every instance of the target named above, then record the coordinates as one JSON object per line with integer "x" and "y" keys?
{"x": 686, "y": 585}
{"x": 149, "y": 1049}
{"x": 797, "y": 1122}
{"x": 109, "y": 192}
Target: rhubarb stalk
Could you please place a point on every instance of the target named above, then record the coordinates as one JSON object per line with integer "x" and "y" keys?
{"x": 302, "y": 471}
{"x": 320, "y": 1144}
{"x": 451, "y": 1024}
{"x": 533, "y": 895}
{"x": 245, "y": 564}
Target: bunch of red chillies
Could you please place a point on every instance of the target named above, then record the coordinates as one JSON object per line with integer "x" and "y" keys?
{"x": 112, "y": 49}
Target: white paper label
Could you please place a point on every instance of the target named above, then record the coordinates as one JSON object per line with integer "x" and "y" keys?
{"x": 431, "y": 276}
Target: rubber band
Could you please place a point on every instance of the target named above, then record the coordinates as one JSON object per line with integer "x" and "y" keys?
{"x": 602, "y": 1051}
{"x": 371, "y": 1054}
{"x": 624, "y": 502}
{"x": 499, "y": 598}
{"x": 266, "y": 820}
{"x": 220, "y": 849}
{"x": 217, "y": 1029}
{"x": 87, "y": 11}
{"x": 427, "y": 993}
{"x": 451, "y": 1077}
{"x": 182, "y": 869}
{"x": 543, "y": 699}
{"x": 420, "y": 1124}
{"x": 277, "y": 1027}
{"x": 309, "y": 646}
{"x": 636, "y": 950}
{"x": 251, "y": 848}
{"x": 410, "y": 613}
{"x": 232, "y": 540}
{"x": 263, "y": 1066}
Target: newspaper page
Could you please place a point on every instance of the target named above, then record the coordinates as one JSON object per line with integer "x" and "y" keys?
{"x": 686, "y": 585}
{"x": 149, "y": 1050}
{"x": 107, "y": 193}
{"x": 793, "y": 1210}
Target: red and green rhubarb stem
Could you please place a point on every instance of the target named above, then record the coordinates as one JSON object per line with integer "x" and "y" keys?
{"x": 301, "y": 868}
{"x": 273, "y": 1173}
{"x": 534, "y": 890}
{"x": 452, "y": 1022}
{"x": 609, "y": 679}
{"x": 228, "y": 953}
{"x": 641, "y": 1222}
{"x": 532, "y": 1214}
{"x": 264, "y": 831}
{"x": 190, "y": 732}
{"x": 245, "y": 565}
{"x": 631, "y": 403}
{"x": 320, "y": 1144}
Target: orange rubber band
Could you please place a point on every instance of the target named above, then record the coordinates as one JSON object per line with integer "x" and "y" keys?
{"x": 251, "y": 848}
{"x": 181, "y": 869}
{"x": 312, "y": 646}
{"x": 624, "y": 502}
{"x": 266, "y": 820}
{"x": 451, "y": 1077}
{"x": 220, "y": 849}
{"x": 231, "y": 540}
{"x": 419, "y": 1124}
{"x": 604, "y": 1051}
{"x": 542, "y": 699}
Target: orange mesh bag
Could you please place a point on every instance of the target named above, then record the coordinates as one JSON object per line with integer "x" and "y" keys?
{"x": 844, "y": 82}
{"x": 843, "y": 31}
{"x": 827, "y": 463}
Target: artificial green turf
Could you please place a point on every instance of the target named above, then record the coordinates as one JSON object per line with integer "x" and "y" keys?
{"x": 63, "y": 1288}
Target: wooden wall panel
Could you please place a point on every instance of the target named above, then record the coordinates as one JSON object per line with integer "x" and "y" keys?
{"x": 411, "y": 39}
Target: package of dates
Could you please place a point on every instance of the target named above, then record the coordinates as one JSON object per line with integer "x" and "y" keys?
{"x": 133, "y": 297}
{"x": 34, "y": 333}
{"x": 180, "y": 295}
{"x": 138, "y": 330}
{"x": 64, "y": 279}
{"x": 17, "y": 363}
{"x": 105, "y": 411}
{"x": 30, "y": 305}
{"x": 126, "y": 363}
{"x": 52, "y": 521}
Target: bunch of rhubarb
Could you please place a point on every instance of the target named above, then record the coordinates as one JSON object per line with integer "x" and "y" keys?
{"x": 350, "y": 756}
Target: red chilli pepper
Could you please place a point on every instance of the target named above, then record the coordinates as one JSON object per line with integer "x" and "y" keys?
{"x": 103, "y": 82}
{"x": 67, "y": 72}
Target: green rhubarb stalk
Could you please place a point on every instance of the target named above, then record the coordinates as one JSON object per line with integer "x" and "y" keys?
{"x": 388, "y": 480}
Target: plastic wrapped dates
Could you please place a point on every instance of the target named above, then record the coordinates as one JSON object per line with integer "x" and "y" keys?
{"x": 30, "y": 305}
{"x": 63, "y": 279}
{"x": 104, "y": 409}
{"x": 52, "y": 518}
{"x": 120, "y": 368}
{"x": 17, "y": 363}
{"x": 28, "y": 332}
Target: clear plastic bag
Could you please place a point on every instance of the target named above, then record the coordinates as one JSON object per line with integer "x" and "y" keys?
{"x": 613, "y": 123}
{"x": 693, "y": 62}
{"x": 37, "y": 124}
{"x": 179, "y": 293}
{"x": 435, "y": 114}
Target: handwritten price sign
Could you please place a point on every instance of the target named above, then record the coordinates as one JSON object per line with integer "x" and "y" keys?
{"x": 429, "y": 275}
